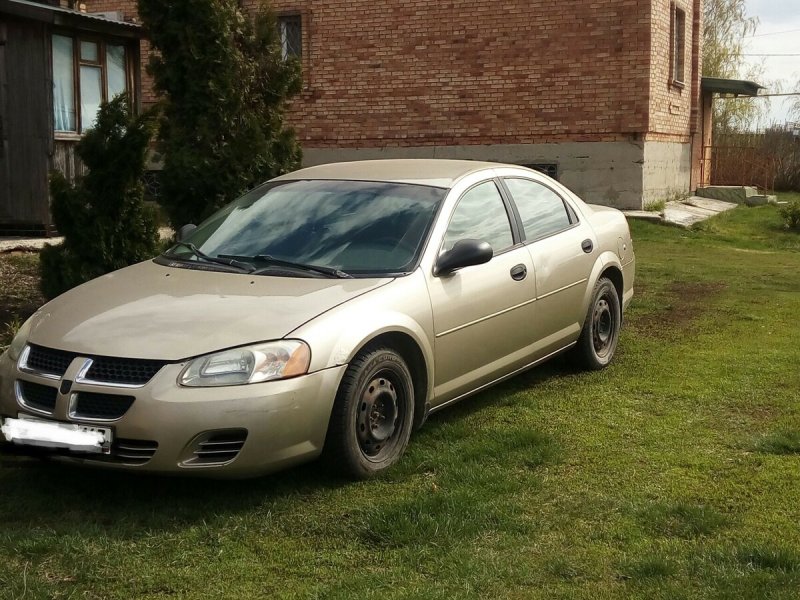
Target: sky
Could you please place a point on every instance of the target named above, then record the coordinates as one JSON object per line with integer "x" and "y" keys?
{"x": 778, "y": 32}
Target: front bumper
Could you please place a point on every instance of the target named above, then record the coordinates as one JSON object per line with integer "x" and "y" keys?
{"x": 282, "y": 422}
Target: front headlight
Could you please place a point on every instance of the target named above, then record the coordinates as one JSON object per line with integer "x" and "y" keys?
{"x": 19, "y": 341}
{"x": 249, "y": 364}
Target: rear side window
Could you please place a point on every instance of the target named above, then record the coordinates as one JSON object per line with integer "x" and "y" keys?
{"x": 480, "y": 215}
{"x": 542, "y": 211}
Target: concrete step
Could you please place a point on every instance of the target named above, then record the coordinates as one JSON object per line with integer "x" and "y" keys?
{"x": 728, "y": 193}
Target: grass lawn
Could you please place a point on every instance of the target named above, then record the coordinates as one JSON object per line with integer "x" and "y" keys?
{"x": 675, "y": 473}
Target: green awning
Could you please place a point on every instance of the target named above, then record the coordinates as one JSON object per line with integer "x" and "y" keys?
{"x": 733, "y": 87}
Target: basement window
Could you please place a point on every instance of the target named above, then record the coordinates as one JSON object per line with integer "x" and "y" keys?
{"x": 549, "y": 169}
{"x": 86, "y": 73}
{"x": 290, "y": 28}
{"x": 678, "y": 46}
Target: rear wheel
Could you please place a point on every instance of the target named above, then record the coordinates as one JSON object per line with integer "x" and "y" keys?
{"x": 372, "y": 416}
{"x": 600, "y": 334}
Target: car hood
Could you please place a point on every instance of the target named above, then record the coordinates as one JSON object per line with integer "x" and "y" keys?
{"x": 160, "y": 312}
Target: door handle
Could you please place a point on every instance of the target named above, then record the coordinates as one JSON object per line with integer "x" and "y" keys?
{"x": 587, "y": 246}
{"x": 519, "y": 272}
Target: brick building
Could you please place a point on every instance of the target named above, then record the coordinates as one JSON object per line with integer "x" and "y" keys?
{"x": 603, "y": 94}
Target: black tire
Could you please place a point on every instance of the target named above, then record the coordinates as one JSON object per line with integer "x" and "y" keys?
{"x": 372, "y": 416}
{"x": 600, "y": 334}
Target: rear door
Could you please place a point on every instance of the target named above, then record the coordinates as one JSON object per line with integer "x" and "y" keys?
{"x": 562, "y": 250}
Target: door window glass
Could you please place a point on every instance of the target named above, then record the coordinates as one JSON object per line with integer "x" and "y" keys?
{"x": 481, "y": 215}
{"x": 542, "y": 210}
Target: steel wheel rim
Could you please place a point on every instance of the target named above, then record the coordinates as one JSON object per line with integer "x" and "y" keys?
{"x": 603, "y": 327}
{"x": 378, "y": 420}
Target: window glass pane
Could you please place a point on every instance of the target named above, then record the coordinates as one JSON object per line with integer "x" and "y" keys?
{"x": 291, "y": 31}
{"x": 63, "y": 84}
{"x": 480, "y": 215}
{"x": 678, "y": 43}
{"x": 115, "y": 70}
{"x": 89, "y": 51}
{"x": 542, "y": 211}
{"x": 91, "y": 95}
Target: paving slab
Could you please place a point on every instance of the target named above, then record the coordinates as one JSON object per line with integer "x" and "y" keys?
{"x": 23, "y": 244}
{"x": 646, "y": 215}
{"x": 685, "y": 215}
{"x": 717, "y": 206}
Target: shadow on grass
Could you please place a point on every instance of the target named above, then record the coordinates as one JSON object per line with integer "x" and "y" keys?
{"x": 68, "y": 498}
{"x": 784, "y": 442}
{"x": 681, "y": 519}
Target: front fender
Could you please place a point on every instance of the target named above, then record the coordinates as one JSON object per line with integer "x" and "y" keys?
{"x": 402, "y": 307}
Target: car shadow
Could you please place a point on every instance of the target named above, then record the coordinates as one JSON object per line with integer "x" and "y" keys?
{"x": 43, "y": 493}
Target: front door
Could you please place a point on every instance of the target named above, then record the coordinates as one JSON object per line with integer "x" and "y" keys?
{"x": 481, "y": 314}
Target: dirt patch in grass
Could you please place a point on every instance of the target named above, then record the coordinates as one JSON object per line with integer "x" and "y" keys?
{"x": 682, "y": 303}
{"x": 19, "y": 291}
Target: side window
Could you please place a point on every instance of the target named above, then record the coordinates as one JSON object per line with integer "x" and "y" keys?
{"x": 542, "y": 211}
{"x": 480, "y": 214}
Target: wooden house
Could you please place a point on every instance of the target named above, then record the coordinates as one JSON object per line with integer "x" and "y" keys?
{"x": 57, "y": 65}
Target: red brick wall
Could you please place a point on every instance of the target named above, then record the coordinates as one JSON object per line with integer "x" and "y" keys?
{"x": 466, "y": 72}
{"x": 446, "y": 72}
{"x": 673, "y": 111}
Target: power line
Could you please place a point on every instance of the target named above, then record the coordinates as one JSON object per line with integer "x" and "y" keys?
{"x": 772, "y": 55}
{"x": 773, "y": 33}
{"x": 776, "y": 95}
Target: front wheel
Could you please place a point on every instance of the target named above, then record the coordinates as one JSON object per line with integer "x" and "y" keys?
{"x": 372, "y": 415}
{"x": 600, "y": 333}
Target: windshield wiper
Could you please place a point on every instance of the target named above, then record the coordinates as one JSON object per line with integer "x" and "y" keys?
{"x": 279, "y": 262}
{"x": 220, "y": 260}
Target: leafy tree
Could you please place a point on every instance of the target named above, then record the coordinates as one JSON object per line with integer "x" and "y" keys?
{"x": 726, "y": 25}
{"x": 224, "y": 87}
{"x": 103, "y": 219}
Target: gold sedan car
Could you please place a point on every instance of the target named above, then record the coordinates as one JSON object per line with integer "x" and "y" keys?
{"x": 327, "y": 312}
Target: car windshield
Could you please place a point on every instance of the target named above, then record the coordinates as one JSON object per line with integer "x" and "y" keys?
{"x": 345, "y": 227}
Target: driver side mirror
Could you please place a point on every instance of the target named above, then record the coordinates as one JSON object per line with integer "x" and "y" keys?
{"x": 465, "y": 253}
{"x": 184, "y": 231}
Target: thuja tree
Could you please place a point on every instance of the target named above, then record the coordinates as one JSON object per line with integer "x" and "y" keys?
{"x": 224, "y": 87}
{"x": 102, "y": 216}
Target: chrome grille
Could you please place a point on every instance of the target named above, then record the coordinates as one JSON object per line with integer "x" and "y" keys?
{"x": 48, "y": 361}
{"x": 108, "y": 370}
{"x": 126, "y": 371}
{"x": 218, "y": 448}
{"x": 38, "y": 396}
{"x": 89, "y": 405}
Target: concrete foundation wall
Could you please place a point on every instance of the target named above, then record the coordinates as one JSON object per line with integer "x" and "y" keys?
{"x": 666, "y": 171}
{"x": 608, "y": 173}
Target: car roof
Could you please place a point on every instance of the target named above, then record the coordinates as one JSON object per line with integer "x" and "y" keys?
{"x": 434, "y": 172}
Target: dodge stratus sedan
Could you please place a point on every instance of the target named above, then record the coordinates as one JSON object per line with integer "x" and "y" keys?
{"x": 326, "y": 312}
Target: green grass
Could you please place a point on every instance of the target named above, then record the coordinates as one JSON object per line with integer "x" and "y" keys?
{"x": 672, "y": 474}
